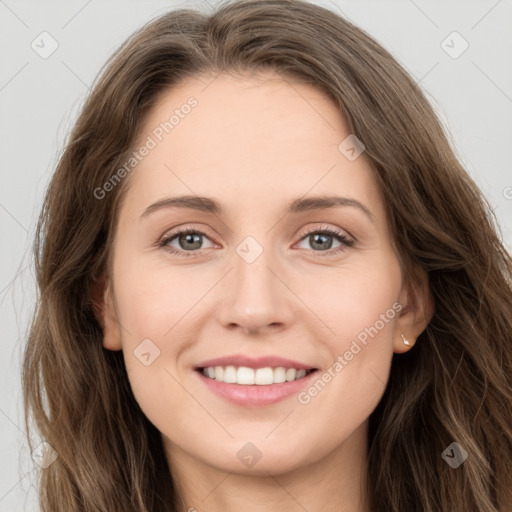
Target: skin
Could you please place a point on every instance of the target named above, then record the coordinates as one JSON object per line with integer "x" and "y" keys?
{"x": 254, "y": 144}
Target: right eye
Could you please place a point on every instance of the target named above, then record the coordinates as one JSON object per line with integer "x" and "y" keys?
{"x": 185, "y": 237}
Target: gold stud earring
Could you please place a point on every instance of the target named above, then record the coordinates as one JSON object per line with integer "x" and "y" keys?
{"x": 406, "y": 341}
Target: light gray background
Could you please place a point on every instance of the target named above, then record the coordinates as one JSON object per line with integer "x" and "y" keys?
{"x": 39, "y": 99}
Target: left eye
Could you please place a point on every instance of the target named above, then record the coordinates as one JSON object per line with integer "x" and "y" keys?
{"x": 322, "y": 240}
{"x": 190, "y": 241}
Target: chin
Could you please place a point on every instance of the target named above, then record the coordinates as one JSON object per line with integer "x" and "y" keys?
{"x": 262, "y": 457}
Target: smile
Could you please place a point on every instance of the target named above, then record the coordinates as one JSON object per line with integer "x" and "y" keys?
{"x": 246, "y": 376}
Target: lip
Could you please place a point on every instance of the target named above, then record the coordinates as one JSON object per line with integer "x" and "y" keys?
{"x": 253, "y": 362}
{"x": 255, "y": 395}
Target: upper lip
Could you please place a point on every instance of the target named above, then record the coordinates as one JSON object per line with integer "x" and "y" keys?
{"x": 254, "y": 362}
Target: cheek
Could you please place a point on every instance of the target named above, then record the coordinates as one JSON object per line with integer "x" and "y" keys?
{"x": 367, "y": 305}
{"x": 154, "y": 308}
{"x": 362, "y": 316}
{"x": 153, "y": 299}
{"x": 354, "y": 298}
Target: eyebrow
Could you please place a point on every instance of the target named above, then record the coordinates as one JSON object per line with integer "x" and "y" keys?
{"x": 208, "y": 205}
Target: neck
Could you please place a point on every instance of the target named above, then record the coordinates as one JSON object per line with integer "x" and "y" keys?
{"x": 333, "y": 483}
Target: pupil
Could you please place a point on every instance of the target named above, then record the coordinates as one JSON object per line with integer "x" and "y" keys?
{"x": 319, "y": 244}
{"x": 189, "y": 238}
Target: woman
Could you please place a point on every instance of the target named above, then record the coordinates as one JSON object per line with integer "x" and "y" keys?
{"x": 337, "y": 337}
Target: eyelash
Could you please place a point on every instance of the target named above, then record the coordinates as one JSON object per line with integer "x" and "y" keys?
{"x": 338, "y": 235}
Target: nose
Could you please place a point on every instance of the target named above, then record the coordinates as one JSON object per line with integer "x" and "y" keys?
{"x": 256, "y": 297}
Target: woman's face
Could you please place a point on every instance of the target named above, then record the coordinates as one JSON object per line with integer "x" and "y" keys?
{"x": 258, "y": 283}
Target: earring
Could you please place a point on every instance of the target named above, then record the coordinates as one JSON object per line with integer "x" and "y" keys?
{"x": 406, "y": 341}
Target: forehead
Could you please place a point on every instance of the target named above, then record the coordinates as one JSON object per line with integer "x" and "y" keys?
{"x": 255, "y": 137}
{"x": 260, "y": 112}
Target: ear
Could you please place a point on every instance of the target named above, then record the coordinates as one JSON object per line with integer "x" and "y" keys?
{"x": 105, "y": 312}
{"x": 417, "y": 311}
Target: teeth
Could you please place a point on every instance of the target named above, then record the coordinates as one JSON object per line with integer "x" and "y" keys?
{"x": 230, "y": 375}
{"x": 279, "y": 375}
{"x": 248, "y": 376}
{"x": 264, "y": 376}
{"x": 245, "y": 375}
{"x": 300, "y": 374}
{"x": 291, "y": 373}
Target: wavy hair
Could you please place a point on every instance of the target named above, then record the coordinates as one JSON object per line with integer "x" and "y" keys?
{"x": 454, "y": 386}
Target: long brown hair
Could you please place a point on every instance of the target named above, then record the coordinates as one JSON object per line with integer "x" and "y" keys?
{"x": 454, "y": 386}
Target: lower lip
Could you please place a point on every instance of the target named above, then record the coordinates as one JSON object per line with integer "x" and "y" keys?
{"x": 255, "y": 395}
